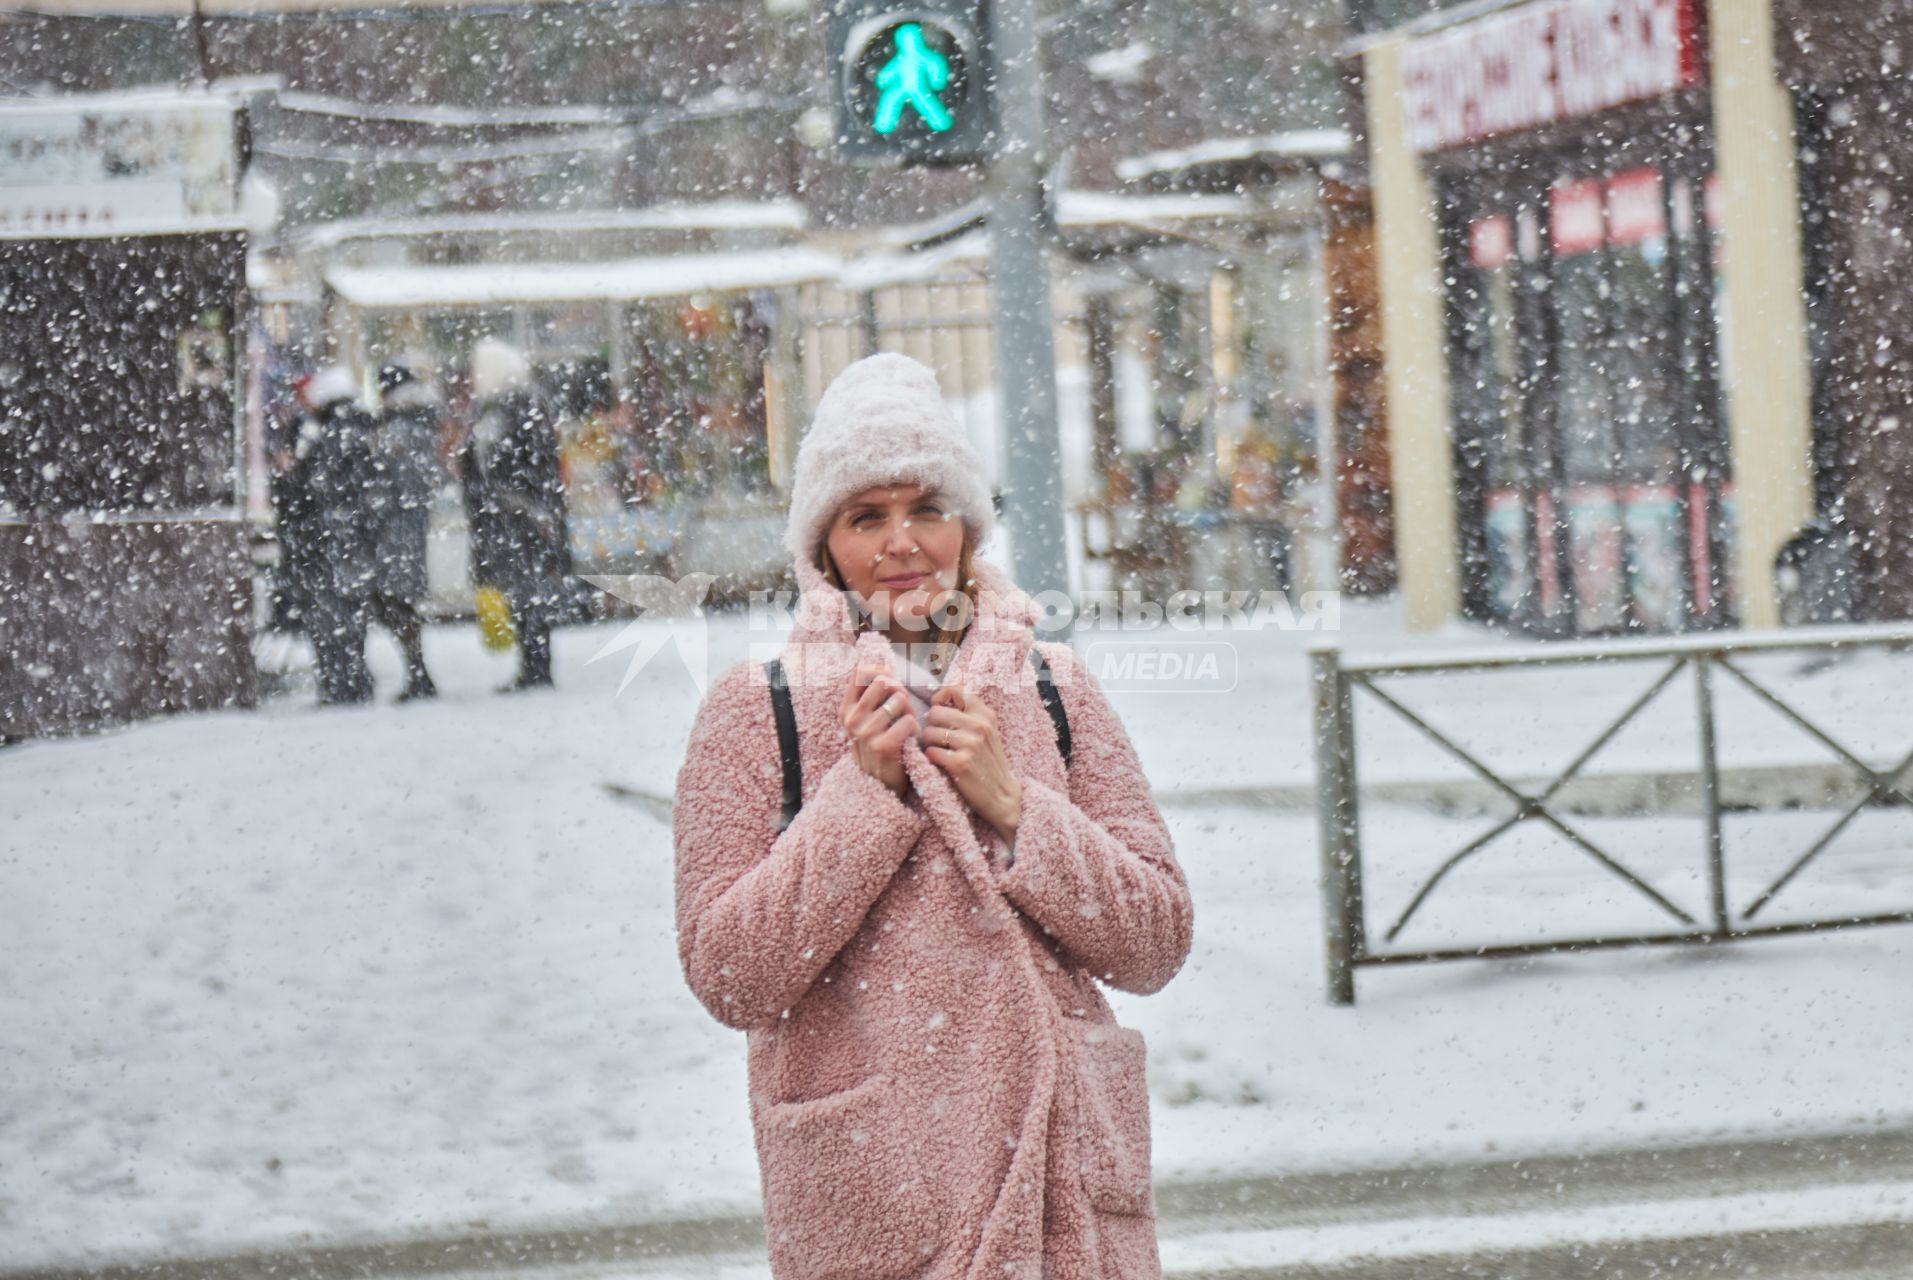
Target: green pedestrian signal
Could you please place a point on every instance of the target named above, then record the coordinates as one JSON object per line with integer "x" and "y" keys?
{"x": 910, "y": 83}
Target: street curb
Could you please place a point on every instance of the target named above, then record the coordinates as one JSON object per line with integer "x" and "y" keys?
{"x": 1868, "y": 1250}
{"x": 440, "y": 1255}
{"x": 1208, "y": 1205}
{"x": 1602, "y": 1177}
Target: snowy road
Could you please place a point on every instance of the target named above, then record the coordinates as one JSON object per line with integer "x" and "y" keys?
{"x": 1800, "y": 1209}
{"x": 296, "y": 978}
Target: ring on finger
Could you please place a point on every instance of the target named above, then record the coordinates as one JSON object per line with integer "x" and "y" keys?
{"x": 946, "y": 737}
{"x": 890, "y": 705}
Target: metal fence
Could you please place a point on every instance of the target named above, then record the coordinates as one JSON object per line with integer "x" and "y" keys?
{"x": 942, "y": 320}
{"x": 1711, "y": 659}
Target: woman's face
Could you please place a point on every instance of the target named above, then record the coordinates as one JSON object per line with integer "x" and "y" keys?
{"x": 897, "y": 547}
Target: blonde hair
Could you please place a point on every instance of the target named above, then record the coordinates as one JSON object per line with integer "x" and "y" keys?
{"x": 944, "y": 639}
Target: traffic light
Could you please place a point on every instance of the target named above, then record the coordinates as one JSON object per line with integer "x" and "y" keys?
{"x": 911, "y": 85}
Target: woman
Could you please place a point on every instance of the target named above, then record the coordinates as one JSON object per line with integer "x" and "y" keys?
{"x": 937, "y": 1086}
{"x": 515, "y": 500}
{"x": 336, "y": 535}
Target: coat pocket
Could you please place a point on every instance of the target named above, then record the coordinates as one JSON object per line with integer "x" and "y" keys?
{"x": 844, "y": 1195}
{"x": 1113, "y": 1102}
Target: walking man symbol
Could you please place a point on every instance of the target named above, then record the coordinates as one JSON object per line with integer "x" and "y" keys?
{"x": 913, "y": 78}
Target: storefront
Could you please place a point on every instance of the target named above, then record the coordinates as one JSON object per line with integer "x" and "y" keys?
{"x": 1566, "y": 144}
{"x": 1298, "y": 439}
{"x": 671, "y": 375}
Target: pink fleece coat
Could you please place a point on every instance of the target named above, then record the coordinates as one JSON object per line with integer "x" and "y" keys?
{"x": 937, "y": 1085}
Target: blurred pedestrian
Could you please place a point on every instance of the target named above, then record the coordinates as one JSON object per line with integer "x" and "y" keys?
{"x": 291, "y": 506}
{"x": 515, "y": 498}
{"x": 1255, "y": 494}
{"x": 407, "y": 464}
{"x": 335, "y": 556}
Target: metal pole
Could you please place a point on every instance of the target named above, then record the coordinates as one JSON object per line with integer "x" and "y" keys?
{"x": 1710, "y": 793}
{"x": 202, "y": 47}
{"x": 868, "y": 323}
{"x": 1335, "y": 816}
{"x": 618, "y": 349}
{"x": 1019, "y": 286}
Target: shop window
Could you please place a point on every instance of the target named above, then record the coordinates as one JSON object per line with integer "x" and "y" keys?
{"x": 1591, "y": 459}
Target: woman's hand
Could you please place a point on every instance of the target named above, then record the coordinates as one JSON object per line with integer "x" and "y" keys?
{"x": 876, "y": 715}
{"x": 965, "y": 744}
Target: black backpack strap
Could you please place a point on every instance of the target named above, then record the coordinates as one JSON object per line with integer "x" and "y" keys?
{"x": 786, "y": 741}
{"x": 1052, "y": 702}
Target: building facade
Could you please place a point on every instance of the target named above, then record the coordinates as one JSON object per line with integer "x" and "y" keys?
{"x": 1597, "y": 339}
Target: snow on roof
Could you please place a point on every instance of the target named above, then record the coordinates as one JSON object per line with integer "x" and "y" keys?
{"x": 441, "y": 114}
{"x": 143, "y": 98}
{"x": 1299, "y": 144}
{"x": 489, "y": 284}
{"x": 726, "y": 215}
{"x": 963, "y": 233}
{"x": 1101, "y": 208}
{"x": 1125, "y": 63}
{"x": 875, "y": 271}
{"x": 1084, "y": 209}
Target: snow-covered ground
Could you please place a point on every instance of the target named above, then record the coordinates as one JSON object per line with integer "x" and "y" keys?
{"x": 296, "y": 975}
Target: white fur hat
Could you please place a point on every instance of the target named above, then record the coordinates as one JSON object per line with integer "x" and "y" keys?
{"x": 331, "y": 383}
{"x": 883, "y": 419}
{"x": 498, "y": 367}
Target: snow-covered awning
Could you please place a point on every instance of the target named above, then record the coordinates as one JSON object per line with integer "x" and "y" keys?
{"x": 1299, "y": 144}
{"x": 1101, "y": 209}
{"x": 501, "y": 284}
{"x": 880, "y": 270}
{"x": 1080, "y": 210}
{"x": 717, "y": 215}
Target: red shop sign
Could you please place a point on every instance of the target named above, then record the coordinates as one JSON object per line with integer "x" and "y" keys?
{"x": 1545, "y": 61}
{"x": 1576, "y": 218}
{"x": 1491, "y": 241}
{"x": 1634, "y": 206}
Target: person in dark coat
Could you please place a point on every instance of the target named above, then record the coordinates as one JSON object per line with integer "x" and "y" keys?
{"x": 290, "y": 505}
{"x": 407, "y": 464}
{"x": 335, "y": 557}
{"x": 515, "y": 499}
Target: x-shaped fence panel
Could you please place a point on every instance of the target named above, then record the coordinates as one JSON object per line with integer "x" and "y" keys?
{"x": 1339, "y": 789}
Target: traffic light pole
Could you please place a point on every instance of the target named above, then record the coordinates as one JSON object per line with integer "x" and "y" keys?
{"x": 1019, "y": 285}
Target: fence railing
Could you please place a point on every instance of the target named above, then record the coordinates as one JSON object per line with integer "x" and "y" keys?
{"x": 1711, "y": 658}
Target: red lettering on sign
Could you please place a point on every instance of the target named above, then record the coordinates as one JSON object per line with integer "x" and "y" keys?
{"x": 1545, "y": 61}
